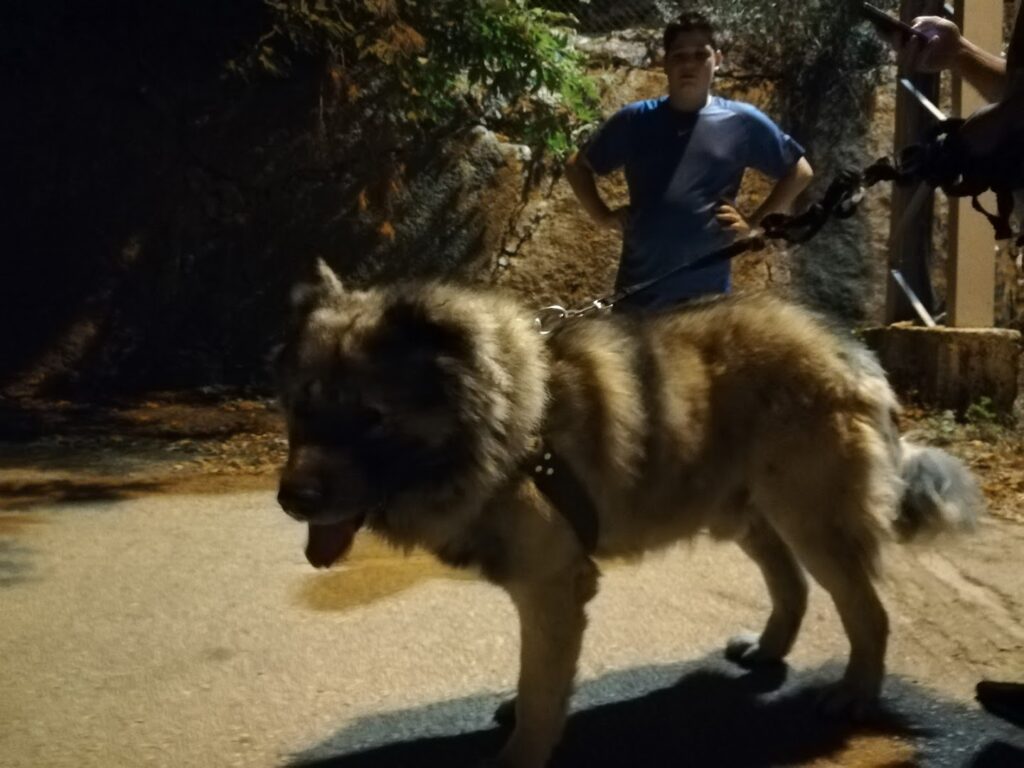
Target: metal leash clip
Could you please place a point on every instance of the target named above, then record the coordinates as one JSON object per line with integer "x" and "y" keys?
{"x": 548, "y": 319}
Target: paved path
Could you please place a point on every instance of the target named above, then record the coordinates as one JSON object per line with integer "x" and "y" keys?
{"x": 177, "y": 630}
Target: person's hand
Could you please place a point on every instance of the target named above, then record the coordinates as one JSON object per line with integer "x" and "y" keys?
{"x": 732, "y": 219}
{"x": 938, "y": 53}
{"x": 617, "y": 218}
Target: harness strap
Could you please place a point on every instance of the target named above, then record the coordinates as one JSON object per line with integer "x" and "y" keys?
{"x": 554, "y": 478}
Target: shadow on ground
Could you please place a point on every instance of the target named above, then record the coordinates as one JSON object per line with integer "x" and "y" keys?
{"x": 165, "y": 416}
{"x": 705, "y": 713}
{"x": 21, "y": 496}
{"x": 15, "y": 563}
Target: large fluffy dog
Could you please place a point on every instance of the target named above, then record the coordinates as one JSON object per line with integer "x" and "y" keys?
{"x": 421, "y": 412}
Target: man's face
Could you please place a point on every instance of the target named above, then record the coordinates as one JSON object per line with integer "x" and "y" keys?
{"x": 690, "y": 64}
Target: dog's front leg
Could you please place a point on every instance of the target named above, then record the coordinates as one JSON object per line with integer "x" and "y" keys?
{"x": 551, "y": 621}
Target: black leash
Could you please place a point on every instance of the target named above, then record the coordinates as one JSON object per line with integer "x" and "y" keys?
{"x": 840, "y": 201}
{"x": 941, "y": 161}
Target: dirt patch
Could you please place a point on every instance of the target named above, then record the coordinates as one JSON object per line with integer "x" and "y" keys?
{"x": 62, "y": 453}
{"x": 59, "y": 452}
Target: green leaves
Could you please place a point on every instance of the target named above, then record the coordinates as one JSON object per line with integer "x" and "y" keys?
{"x": 501, "y": 61}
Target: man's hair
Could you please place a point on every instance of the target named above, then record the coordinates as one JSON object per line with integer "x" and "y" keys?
{"x": 690, "y": 21}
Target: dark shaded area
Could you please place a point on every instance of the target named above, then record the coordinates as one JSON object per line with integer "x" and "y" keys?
{"x": 705, "y": 713}
{"x": 158, "y": 208}
{"x": 998, "y": 754}
{"x": 127, "y": 158}
{"x": 1002, "y": 699}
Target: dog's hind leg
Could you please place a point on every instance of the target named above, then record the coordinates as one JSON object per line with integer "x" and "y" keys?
{"x": 837, "y": 560}
{"x": 551, "y": 620}
{"x": 787, "y": 587}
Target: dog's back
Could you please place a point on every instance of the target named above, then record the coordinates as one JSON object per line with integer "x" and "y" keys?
{"x": 695, "y": 418}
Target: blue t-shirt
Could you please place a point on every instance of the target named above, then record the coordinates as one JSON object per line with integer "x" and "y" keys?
{"x": 680, "y": 166}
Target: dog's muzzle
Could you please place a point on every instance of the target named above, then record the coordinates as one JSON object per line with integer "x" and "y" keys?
{"x": 301, "y": 500}
{"x": 330, "y": 533}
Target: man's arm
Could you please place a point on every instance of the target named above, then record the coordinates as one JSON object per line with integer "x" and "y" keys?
{"x": 786, "y": 191}
{"x": 583, "y": 180}
{"x": 779, "y": 200}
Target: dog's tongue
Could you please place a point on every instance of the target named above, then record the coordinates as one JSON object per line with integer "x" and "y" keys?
{"x": 327, "y": 543}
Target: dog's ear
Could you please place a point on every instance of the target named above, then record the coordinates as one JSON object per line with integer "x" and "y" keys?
{"x": 328, "y": 279}
{"x": 323, "y": 288}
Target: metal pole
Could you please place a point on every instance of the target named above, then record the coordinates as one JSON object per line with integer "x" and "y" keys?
{"x": 910, "y": 230}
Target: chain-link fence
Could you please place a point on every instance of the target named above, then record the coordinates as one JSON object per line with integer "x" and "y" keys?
{"x": 779, "y": 40}
{"x": 598, "y": 16}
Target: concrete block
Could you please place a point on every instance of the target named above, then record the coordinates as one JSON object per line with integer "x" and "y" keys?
{"x": 950, "y": 367}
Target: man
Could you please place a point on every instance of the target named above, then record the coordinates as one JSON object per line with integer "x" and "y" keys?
{"x": 684, "y": 157}
{"x": 993, "y": 128}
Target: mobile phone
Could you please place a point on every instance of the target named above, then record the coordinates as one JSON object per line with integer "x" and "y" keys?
{"x": 886, "y": 24}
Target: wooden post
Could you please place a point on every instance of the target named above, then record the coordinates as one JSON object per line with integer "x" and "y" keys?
{"x": 910, "y": 234}
{"x": 971, "y": 264}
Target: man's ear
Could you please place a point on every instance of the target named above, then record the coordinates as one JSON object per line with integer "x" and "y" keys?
{"x": 324, "y": 287}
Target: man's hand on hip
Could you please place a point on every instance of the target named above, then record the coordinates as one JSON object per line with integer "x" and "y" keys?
{"x": 617, "y": 218}
{"x": 732, "y": 219}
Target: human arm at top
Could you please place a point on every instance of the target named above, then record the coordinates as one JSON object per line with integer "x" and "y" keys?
{"x": 946, "y": 48}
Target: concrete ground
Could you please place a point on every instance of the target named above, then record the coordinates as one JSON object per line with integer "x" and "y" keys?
{"x": 188, "y": 630}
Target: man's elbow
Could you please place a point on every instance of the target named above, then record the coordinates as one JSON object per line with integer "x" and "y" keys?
{"x": 577, "y": 170}
{"x": 575, "y": 165}
{"x": 803, "y": 171}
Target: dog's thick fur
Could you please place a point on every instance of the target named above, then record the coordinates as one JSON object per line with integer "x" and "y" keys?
{"x": 414, "y": 409}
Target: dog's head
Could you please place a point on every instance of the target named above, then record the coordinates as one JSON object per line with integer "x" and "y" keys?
{"x": 386, "y": 400}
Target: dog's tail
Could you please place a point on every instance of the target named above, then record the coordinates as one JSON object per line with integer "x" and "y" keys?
{"x": 940, "y": 494}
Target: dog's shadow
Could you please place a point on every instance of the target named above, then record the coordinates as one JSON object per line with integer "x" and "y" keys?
{"x": 706, "y": 713}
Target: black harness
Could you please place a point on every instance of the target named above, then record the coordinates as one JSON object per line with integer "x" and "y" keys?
{"x": 555, "y": 479}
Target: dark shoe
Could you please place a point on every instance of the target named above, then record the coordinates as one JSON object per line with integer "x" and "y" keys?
{"x": 1005, "y": 700}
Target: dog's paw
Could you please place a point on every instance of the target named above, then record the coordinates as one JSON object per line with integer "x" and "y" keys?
{"x": 746, "y": 650}
{"x": 845, "y": 700}
{"x": 505, "y": 714}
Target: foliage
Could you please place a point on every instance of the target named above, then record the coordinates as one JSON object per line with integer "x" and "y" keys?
{"x": 417, "y": 65}
{"x": 981, "y": 412}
